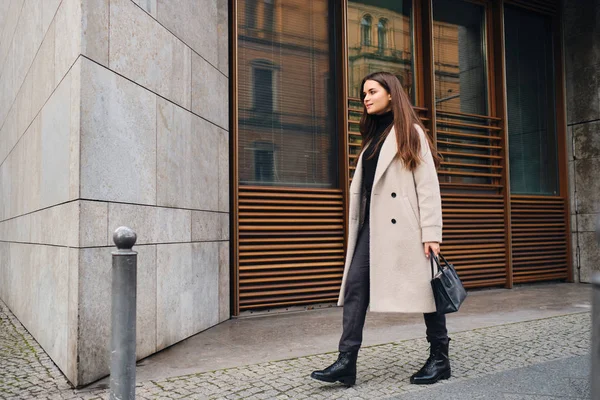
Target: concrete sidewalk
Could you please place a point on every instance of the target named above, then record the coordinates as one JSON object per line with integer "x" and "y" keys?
{"x": 497, "y": 333}
{"x": 265, "y": 338}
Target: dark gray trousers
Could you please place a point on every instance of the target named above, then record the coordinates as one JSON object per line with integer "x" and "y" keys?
{"x": 356, "y": 300}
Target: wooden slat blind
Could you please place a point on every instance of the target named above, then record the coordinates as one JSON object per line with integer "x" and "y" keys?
{"x": 355, "y": 110}
{"x": 472, "y": 204}
{"x": 539, "y": 237}
{"x": 474, "y": 238}
{"x": 291, "y": 246}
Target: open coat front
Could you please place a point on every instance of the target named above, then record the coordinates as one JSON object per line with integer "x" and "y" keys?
{"x": 400, "y": 274}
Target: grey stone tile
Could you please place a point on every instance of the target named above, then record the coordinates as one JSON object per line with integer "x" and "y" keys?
{"x": 206, "y": 226}
{"x": 43, "y": 70}
{"x": 205, "y": 262}
{"x": 70, "y": 369}
{"x": 588, "y": 185}
{"x": 193, "y": 21}
{"x": 174, "y": 155}
{"x": 589, "y": 255}
{"x": 224, "y": 283}
{"x": 26, "y": 40}
{"x": 224, "y": 177}
{"x": 55, "y": 146}
{"x": 9, "y": 27}
{"x": 148, "y": 5}
{"x": 587, "y": 222}
{"x": 75, "y": 140}
{"x": 575, "y": 260}
{"x": 204, "y": 165}
{"x": 146, "y": 302}
{"x": 583, "y": 99}
{"x": 187, "y": 152}
{"x": 5, "y": 266}
{"x": 94, "y": 35}
{"x": 24, "y": 105}
{"x": 93, "y": 224}
{"x": 151, "y": 224}
{"x": 223, "y": 36}
{"x": 49, "y": 9}
{"x": 51, "y": 273}
{"x": 39, "y": 294}
{"x": 4, "y": 7}
{"x": 118, "y": 138}
{"x": 162, "y": 64}
{"x": 94, "y": 314}
{"x": 210, "y": 92}
{"x": 30, "y": 182}
{"x": 587, "y": 140}
{"x": 16, "y": 229}
{"x": 8, "y": 134}
{"x": 187, "y": 290}
{"x": 68, "y": 35}
{"x": 58, "y": 225}
{"x": 572, "y": 186}
{"x": 7, "y": 87}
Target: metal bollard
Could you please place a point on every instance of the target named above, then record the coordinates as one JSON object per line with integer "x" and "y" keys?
{"x": 124, "y": 283}
{"x": 596, "y": 337}
{"x": 595, "y": 378}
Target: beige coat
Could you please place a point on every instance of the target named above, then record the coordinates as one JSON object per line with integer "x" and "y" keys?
{"x": 400, "y": 274}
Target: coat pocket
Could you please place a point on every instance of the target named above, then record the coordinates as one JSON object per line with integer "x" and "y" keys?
{"x": 411, "y": 214}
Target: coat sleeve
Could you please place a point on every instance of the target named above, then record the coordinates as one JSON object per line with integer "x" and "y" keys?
{"x": 428, "y": 194}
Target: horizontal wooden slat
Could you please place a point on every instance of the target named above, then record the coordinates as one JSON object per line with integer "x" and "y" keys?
{"x": 467, "y": 115}
{"x": 468, "y": 125}
{"x": 468, "y": 145}
{"x": 291, "y": 246}
{"x": 442, "y": 133}
{"x": 539, "y": 238}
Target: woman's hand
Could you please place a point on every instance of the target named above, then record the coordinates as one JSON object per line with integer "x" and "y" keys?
{"x": 433, "y": 246}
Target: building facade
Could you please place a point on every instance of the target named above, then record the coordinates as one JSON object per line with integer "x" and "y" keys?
{"x": 225, "y": 132}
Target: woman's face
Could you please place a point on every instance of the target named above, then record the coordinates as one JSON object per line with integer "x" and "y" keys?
{"x": 377, "y": 100}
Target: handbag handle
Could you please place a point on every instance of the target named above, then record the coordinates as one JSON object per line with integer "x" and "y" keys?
{"x": 432, "y": 257}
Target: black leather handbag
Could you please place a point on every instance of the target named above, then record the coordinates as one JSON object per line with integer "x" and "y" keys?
{"x": 448, "y": 290}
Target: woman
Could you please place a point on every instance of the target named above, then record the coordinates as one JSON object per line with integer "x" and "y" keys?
{"x": 395, "y": 222}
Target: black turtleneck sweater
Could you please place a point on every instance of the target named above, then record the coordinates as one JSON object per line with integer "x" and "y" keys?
{"x": 371, "y": 154}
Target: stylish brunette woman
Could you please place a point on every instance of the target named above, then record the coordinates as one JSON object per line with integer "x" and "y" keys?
{"x": 395, "y": 221}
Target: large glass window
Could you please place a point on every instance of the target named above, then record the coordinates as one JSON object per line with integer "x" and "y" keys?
{"x": 393, "y": 49}
{"x": 459, "y": 57}
{"x": 286, "y": 110}
{"x": 530, "y": 84}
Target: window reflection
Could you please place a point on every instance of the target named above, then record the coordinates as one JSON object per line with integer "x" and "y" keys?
{"x": 391, "y": 48}
{"x": 459, "y": 57}
{"x": 286, "y": 110}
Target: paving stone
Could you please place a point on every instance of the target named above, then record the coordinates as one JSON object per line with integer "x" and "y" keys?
{"x": 383, "y": 370}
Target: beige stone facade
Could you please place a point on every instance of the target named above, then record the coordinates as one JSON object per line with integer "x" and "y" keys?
{"x": 113, "y": 112}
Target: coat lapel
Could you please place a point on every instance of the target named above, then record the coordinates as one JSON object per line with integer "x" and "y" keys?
{"x": 389, "y": 148}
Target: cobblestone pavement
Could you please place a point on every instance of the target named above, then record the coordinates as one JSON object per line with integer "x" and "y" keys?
{"x": 383, "y": 371}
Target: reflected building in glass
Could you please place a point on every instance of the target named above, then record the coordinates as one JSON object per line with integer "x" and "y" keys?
{"x": 286, "y": 98}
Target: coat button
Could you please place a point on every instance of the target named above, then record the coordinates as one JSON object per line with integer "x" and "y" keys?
{"x": 393, "y": 221}
{"x": 393, "y": 194}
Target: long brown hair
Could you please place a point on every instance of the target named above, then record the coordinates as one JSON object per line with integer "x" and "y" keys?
{"x": 405, "y": 118}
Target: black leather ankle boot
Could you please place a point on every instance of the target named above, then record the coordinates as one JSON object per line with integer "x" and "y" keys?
{"x": 437, "y": 365}
{"x": 343, "y": 370}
